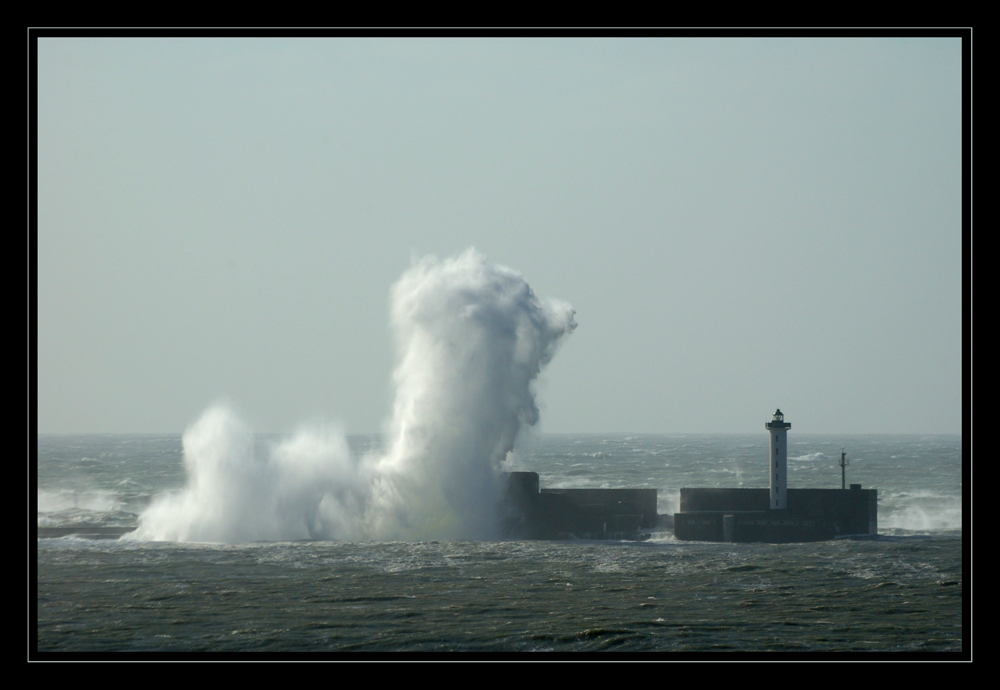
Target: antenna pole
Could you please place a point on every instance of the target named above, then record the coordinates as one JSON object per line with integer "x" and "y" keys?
{"x": 843, "y": 470}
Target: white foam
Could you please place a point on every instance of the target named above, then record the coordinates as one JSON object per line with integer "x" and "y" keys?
{"x": 925, "y": 517}
{"x": 471, "y": 337}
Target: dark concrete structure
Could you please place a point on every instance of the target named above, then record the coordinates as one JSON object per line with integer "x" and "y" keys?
{"x": 744, "y": 515}
{"x": 777, "y": 514}
{"x": 529, "y": 512}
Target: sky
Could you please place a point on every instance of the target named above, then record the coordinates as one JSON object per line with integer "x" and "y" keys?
{"x": 740, "y": 224}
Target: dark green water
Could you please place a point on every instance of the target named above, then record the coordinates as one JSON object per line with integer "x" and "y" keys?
{"x": 900, "y": 592}
{"x": 891, "y": 594}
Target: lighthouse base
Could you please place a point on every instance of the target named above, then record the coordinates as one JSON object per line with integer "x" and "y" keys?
{"x": 742, "y": 515}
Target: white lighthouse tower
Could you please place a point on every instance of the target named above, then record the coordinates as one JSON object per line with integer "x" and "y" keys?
{"x": 779, "y": 460}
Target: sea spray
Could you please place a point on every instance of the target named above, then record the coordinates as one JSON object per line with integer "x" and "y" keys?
{"x": 235, "y": 494}
{"x": 471, "y": 339}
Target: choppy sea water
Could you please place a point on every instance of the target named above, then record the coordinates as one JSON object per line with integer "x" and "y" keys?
{"x": 900, "y": 592}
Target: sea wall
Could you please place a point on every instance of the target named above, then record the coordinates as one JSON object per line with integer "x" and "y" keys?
{"x": 533, "y": 513}
{"x": 744, "y": 515}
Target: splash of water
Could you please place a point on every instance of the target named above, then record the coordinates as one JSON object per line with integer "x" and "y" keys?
{"x": 471, "y": 339}
{"x": 920, "y": 511}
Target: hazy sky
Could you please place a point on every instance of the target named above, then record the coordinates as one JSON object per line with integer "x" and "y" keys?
{"x": 740, "y": 224}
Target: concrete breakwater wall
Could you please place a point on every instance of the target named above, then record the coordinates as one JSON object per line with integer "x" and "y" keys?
{"x": 744, "y": 514}
{"x": 530, "y": 512}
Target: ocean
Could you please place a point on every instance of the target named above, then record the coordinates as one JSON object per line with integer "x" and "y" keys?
{"x": 901, "y": 591}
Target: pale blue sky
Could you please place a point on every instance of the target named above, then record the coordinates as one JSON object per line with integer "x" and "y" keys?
{"x": 740, "y": 224}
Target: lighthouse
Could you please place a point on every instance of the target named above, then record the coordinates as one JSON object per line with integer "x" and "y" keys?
{"x": 778, "y": 460}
